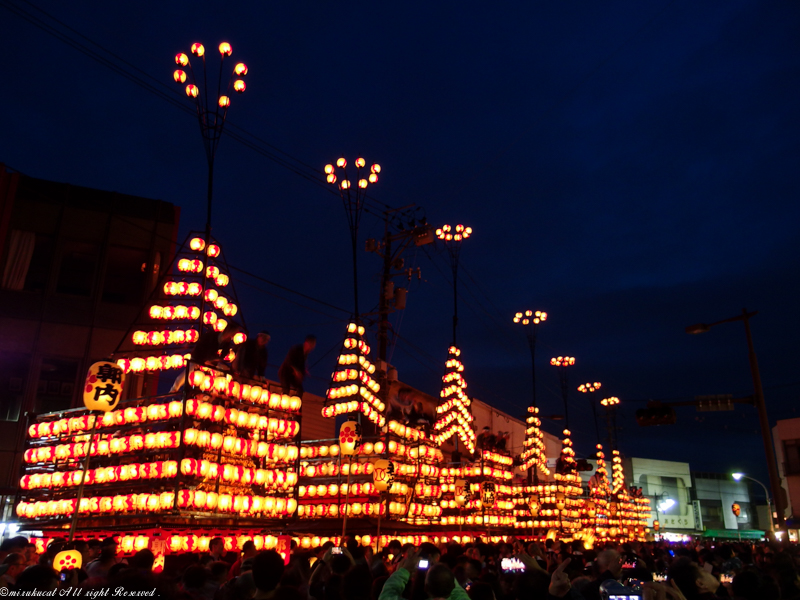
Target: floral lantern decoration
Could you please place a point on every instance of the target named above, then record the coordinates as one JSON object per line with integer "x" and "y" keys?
{"x": 349, "y": 437}
{"x": 67, "y": 559}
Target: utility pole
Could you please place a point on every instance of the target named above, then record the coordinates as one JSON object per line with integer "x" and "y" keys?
{"x": 390, "y": 250}
{"x": 761, "y": 408}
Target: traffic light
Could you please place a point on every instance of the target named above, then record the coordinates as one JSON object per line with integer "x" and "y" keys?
{"x": 657, "y": 415}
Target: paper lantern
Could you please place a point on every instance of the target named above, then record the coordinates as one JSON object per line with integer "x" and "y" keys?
{"x": 461, "y": 492}
{"x": 349, "y": 437}
{"x": 383, "y": 474}
{"x": 534, "y": 505}
{"x": 67, "y": 559}
{"x": 488, "y": 493}
{"x": 103, "y": 387}
{"x": 736, "y": 509}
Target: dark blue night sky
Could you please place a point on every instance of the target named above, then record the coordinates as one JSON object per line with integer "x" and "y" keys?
{"x": 629, "y": 167}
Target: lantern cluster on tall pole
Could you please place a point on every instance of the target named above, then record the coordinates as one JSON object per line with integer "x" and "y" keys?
{"x": 610, "y": 404}
{"x": 453, "y": 414}
{"x": 590, "y": 388}
{"x": 211, "y": 113}
{"x": 452, "y": 238}
{"x": 562, "y": 362}
{"x": 353, "y": 201}
{"x": 533, "y": 455}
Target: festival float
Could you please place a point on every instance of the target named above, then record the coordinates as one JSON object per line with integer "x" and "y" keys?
{"x": 223, "y": 456}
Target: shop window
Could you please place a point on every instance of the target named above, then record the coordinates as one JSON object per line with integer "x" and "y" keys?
{"x": 76, "y": 272}
{"x": 126, "y": 274}
{"x": 55, "y": 388}
{"x": 13, "y": 377}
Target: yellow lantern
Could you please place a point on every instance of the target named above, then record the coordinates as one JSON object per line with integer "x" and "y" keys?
{"x": 349, "y": 437}
{"x": 103, "y": 388}
{"x": 461, "y": 492}
{"x": 736, "y": 509}
{"x": 534, "y": 505}
{"x": 67, "y": 559}
{"x": 383, "y": 474}
{"x": 488, "y": 493}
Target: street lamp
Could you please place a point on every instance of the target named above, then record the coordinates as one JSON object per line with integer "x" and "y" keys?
{"x": 452, "y": 238}
{"x": 590, "y": 388}
{"x": 610, "y": 405}
{"x": 662, "y": 503}
{"x": 758, "y": 401}
{"x": 210, "y": 115}
{"x": 562, "y": 362}
{"x": 740, "y": 476}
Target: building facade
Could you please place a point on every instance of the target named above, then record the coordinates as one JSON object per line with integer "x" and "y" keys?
{"x": 77, "y": 265}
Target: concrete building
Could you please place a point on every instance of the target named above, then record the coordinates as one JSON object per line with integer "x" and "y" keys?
{"x": 715, "y": 494}
{"x": 786, "y": 436}
{"x": 669, "y": 485}
{"x": 77, "y": 264}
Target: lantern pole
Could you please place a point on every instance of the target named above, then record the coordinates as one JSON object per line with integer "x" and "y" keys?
{"x": 590, "y": 389}
{"x": 211, "y": 118}
{"x": 562, "y": 362}
{"x": 79, "y": 496}
{"x": 378, "y": 535}
{"x": 452, "y": 238}
{"x": 610, "y": 405}
{"x": 347, "y": 495}
{"x": 353, "y": 202}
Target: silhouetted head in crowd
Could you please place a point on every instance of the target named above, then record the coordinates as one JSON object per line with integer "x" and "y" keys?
{"x": 691, "y": 579}
{"x": 267, "y": 570}
{"x": 38, "y": 577}
{"x": 439, "y": 581}
{"x": 143, "y": 560}
{"x": 194, "y": 577}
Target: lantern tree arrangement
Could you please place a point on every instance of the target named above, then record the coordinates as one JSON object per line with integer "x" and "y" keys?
{"x": 353, "y": 389}
{"x": 533, "y": 454}
{"x": 453, "y": 414}
{"x": 195, "y": 297}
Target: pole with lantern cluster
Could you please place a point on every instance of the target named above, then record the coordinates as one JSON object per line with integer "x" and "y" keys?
{"x": 353, "y": 201}
{"x": 211, "y": 116}
{"x": 531, "y": 320}
{"x": 452, "y": 238}
{"x": 562, "y": 362}
{"x": 610, "y": 405}
{"x": 590, "y": 388}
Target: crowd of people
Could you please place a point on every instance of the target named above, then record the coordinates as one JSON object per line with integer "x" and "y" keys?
{"x": 512, "y": 570}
